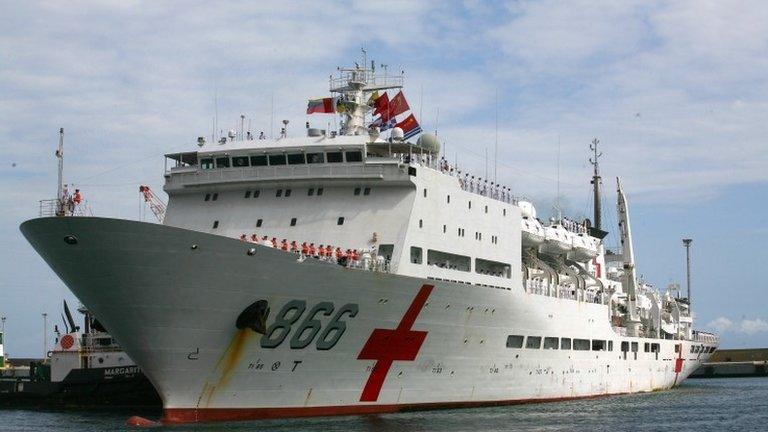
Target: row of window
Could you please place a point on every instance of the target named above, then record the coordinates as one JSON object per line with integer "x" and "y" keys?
{"x": 452, "y": 261}
{"x": 469, "y": 203}
{"x": 259, "y": 222}
{"x": 535, "y": 342}
{"x": 280, "y": 159}
{"x": 286, "y": 193}
{"x": 695, "y": 349}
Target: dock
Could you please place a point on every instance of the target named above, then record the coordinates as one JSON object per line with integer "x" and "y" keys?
{"x": 735, "y": 363}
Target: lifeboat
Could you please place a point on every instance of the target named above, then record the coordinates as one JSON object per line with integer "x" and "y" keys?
{"x": 585, "y": 248}
{"x": 532, "y": 233}
{"x": 557, "y": 241}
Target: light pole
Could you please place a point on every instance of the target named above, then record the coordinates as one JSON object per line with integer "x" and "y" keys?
{"x": 2, "y": 328}
{"x": 687, "y": 243}
{"x": 45, "y": 336}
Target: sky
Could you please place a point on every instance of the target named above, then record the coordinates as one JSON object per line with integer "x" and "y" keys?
{"x": 676, "y": 92}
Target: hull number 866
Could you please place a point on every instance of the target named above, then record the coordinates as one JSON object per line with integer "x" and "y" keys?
{"x": 310, "y": 328}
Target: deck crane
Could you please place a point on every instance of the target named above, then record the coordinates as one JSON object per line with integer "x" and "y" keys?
{"x": 154, "y": 202}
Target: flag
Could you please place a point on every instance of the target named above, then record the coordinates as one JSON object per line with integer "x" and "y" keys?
{"x": 397, "y": 106}
{"x": 409, "y": 126}
{"x": 322, "y": 106}
{"x": 372, "y": 99}
{"x": 381, "y": 105}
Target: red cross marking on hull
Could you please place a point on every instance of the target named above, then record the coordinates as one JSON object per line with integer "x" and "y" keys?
{"x": 385, "y": 346}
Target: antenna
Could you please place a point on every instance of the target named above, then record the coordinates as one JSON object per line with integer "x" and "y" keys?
{"x": 60, "y": 191}
{"x": 215, "y": 107}
{"x": 272, "y": 116}
{"x": 421, "y": 102}
{"x": 496, "y": 140}
{"x": 687, "y": 242}
{"x": 596, "y": 181}
{"x": 557, "y": 198}
{"x": 437, "y": 120}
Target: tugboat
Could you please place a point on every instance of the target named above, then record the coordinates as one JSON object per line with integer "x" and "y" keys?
{"x": 85, "y": 369}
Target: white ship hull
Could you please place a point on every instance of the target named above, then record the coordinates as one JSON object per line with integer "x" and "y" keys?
{"x": 171, "y": 298}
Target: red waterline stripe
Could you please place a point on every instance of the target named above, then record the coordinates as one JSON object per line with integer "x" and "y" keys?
{"x": 193, "y": 415}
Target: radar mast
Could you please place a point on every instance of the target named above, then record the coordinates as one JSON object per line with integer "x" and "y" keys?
{"x": 354, "y": 85}
{"x": 596, "y": 182}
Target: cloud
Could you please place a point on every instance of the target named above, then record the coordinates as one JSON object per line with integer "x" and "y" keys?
{"x": 753, "y": 326}
{"x": 721, "y": 325}
{"x": 746, "y": 326}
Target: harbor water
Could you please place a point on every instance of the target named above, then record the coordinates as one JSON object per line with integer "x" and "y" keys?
{"x": 698, "y": 405}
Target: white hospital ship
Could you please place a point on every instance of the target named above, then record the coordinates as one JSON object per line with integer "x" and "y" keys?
{"x": 432, "y": 289}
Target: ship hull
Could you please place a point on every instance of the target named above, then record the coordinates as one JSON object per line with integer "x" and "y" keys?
{"x": 338, "y": 341}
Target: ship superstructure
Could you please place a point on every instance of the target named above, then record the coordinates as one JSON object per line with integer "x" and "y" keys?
{"x": 347, "y": 272}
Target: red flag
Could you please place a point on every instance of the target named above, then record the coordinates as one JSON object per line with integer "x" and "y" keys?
{"x": 409, "y": 126}
{"x": 381, "y": 104}
{"x": 323, "y": 106}
{"x": 398, "y": 105}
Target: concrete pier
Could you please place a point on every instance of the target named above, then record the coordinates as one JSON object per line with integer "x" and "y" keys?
{"x": 735, "y": 363}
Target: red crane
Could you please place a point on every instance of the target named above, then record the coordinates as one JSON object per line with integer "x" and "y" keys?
{"x": 155, "y": 204}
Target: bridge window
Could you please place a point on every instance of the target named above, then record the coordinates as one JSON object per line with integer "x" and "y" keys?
{"x": 319, "y": 191}
{"x": 610, "y": 345}
{"x": 354, "y": 156}
{"x": 315, "y": 158}
{"x": 444, "y": 228}
{"x": 421, "y": 223}
{"x": 634, "y": 346}
{"x": 367, "y": 191}
{"x": 334, "y": 157}
{"x": 425, "y": 192}
{"x": 416, "y": 255}
{"x": 565, "y": 343}
{"x": 256, "y": 193}
{"x": 581, "y": 344}
{"x": 492, "y": 268}
{"x": 647, "y": 347}
{"x": 296, "y": 159}
{"x": 448, "y": 199}
{"x": 215, "y": 197}
{"x": 260, "y": 160}
{"x": 655, "y": 347}
{"x": 240, "y": 161}
{"x": 278, "y": 159}
{"x": 287, "y": 193}
{"x": 207, "y": 197}
{"x": 279, "y": 193}
{"x": 533, "y": 342}
{"x": 310, "y": 191}
{"x": 677, "y": 348}
{"x": 247, "y": 194}
{"x": 551, "y": 343}
{"x": 486, "y": 209}
{"x": 448, "y": 260}
{"x": 598, "y": 345}
{"x": 514, "y": 341}
{"x": 222, "y": 162}
{"x": 624, "y": 346}
{"x": 357, "y": 191}
{"x": 206, "y": 164}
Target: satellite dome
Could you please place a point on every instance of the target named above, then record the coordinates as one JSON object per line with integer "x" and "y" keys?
{"x": 429, "y": 142}
{"x": 397, "y": 134}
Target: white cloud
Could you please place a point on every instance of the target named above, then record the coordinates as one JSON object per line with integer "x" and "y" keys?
{"x": 746, "y": 326}
{"x": 753, "y": 326}
{"x": 721, "y": 325}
